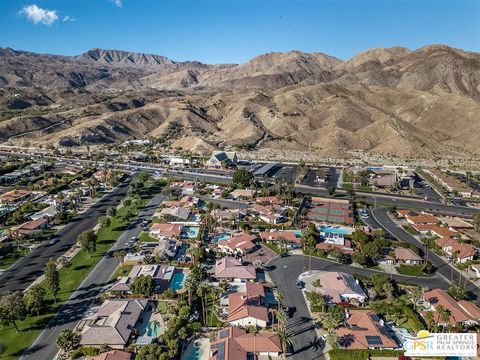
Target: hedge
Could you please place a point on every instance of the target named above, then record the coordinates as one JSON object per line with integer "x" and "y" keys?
{"x": 364, "y": 354}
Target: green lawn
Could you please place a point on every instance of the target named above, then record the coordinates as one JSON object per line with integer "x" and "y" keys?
{"x": 212, "y": 319}
{"x": 162, "y": 307}
{"x": 13, "y": 255}
{"x": 123, "y": 270}
{"x": 145, "y": 237}
{"x": 412, "y": 270}
{"x": 70, "y": 278}
{"x": 409, "y": 229}
{"x": 272, "y": 246}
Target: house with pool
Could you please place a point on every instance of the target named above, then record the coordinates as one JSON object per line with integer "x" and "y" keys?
{"x": 239, "y": 243}
{"x": 233, "y": 343}
{"x": 164, "y": 277}
{"x": 114, "y": 323}
{"x": 291, "y": 237}
{"x": 229, "y": 268}
{"x": 248, "y": 307}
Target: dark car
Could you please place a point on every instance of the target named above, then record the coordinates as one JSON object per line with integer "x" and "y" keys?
{"x": 300, "y": 284}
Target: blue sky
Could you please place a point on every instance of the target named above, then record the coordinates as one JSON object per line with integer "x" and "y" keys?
{"x": 232, "y": 31}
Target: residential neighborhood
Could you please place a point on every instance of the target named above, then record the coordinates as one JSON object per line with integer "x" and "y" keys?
{"x": 200, "y": 270}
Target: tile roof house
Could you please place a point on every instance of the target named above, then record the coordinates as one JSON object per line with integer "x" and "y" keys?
{"x": 461, "y": 251}
{"x": 14, "y": 197}
{"x": 186, "y": 201}
{"x": 236, "y": 344}
{"x": 231, "y": 268}
{"x": 240, "y": 243}
{"x": 242, "y": 193}
{"x": 30, "y": 227}
{"x": 463, "y": 311}
{"x": 340, "y": 287}
{"x": 113, "y": 323}
{"x": 435, "y": 230}
{"x": 290, "y": 236}
{"x": 161, "y": 275}
{"x": 414, "y": 217}
{"x": 112, "y": 355}
{"x": 227, "y": 214}
{"x": 166, "y": 230}
{"x": 247, "y": 308}
{"x": 177, "y": 213}
{"x": 407, "y": 256}
{"x": 364, "y": 330}
{"x": 346, "y": 248}
{"x": 271, "y": 214}
{"x": 187, "y": 187}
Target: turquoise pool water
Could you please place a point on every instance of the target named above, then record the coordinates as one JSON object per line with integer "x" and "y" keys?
{"x": 191, "y": 232}
{"x": 334, "y": 230}
{"x": 220, "y": 237}
{"x": 152, "y": 331}
{"x": 193, "y": 353}
{"x": 178, "y": 279}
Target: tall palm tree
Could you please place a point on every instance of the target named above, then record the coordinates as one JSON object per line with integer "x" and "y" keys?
{"x": 254, "y": 331}
{"x": 286, "y": 339}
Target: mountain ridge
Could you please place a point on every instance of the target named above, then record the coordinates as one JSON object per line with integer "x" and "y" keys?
{"x": 383, "y": 100}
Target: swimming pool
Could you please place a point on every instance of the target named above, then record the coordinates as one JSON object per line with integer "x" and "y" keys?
{"x": 220, "y": 237}
{"x": 193, "y": 352}
{"x": 191, "y": 232}
{"x": 333, "y": 230}
{"x": 178, "y": 279}
{"x": 152, "y": 330}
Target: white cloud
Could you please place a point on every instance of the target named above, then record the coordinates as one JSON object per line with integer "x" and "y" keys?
{"x": 38, "y": 15}
{"x": 118, "y": 3}
{"x": 68, "y": 18}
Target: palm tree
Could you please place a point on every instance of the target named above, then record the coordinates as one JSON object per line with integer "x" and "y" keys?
{"x": 333, "y": 340}
{"x": 443, "y": 316}
{"x": 254, "y": 331}
{"x": 286, "y": 339}
{"x": 416, "y": 294}
{"x": 430, "y": 321}
{"x": 119, "y": 255}
{"x": 155, "y": 326}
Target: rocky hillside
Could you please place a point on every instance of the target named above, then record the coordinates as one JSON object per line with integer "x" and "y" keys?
{"x": 382, "y": 101}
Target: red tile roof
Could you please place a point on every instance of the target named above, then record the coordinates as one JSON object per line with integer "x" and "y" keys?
{"x": 242, "y": 241}
{"x": 228, "y": 268}
{"x": 362, "y": 324}
{"x": 248, "y": 303}
{"x": 438, "y": 297}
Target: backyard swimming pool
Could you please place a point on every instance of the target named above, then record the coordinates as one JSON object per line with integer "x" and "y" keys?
{"x": 190, "y": 232}
{"x": 197, "y": 350}
{"x": 220, "y": 237}
{"x": 153, "y": 330}
{"x": 178, "y": 279}
{"x": 334, "y": 230}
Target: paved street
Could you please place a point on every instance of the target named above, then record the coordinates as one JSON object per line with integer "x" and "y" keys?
{"x": 29, "y": 268}
{"x": 69, "y": 315}
{"x": 380, "y": 215}
{"x": 285, "y": 271}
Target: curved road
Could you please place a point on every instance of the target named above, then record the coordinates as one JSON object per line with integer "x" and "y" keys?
{"x": 284, "y": 273}
{"x": 380, "y": 215}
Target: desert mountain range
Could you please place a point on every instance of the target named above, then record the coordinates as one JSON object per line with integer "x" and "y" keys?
{"x": 422, "y": 103}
